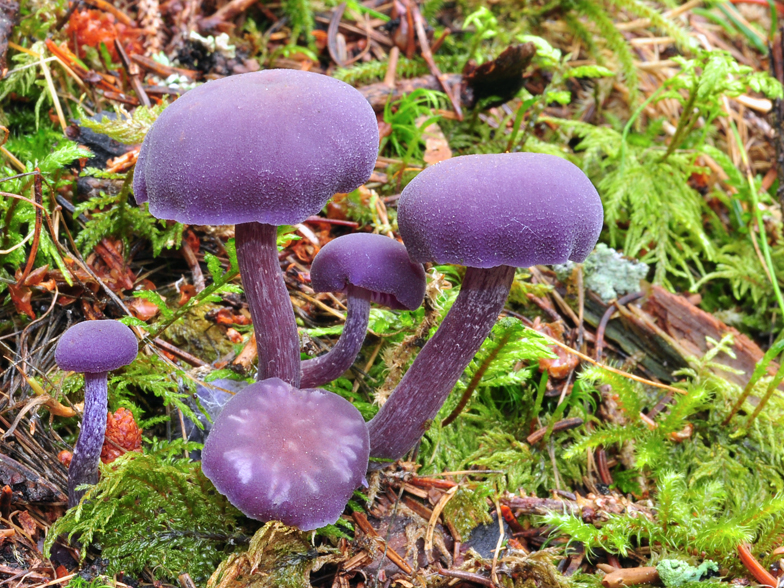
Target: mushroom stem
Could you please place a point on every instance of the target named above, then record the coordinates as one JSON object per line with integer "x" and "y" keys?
{"x": 277, "y": 340}
{"x": 331, "y": 365}
{"x": 87, "y": 452}
{"x": 405, "y": 417}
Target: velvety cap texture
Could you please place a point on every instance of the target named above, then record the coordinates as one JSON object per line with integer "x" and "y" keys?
{"x": 270, "y": 146}
{"x": 373, "y": 262}
{"x": 96, "y": 346}
{"x": 280, "y": 453}
{"x": 516, "y": 209}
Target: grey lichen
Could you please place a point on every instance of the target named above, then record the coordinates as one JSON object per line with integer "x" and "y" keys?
{"x": 675, "y": 573}
{"x": 607, "y": 273}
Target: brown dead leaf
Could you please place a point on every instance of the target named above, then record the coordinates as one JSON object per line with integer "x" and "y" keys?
{"x": 436, "y": 146}
{"x": 384, "y": 129}
{"x": 61, "y": 571}
{"x": 561, "y": 366}
{"x": 35, "y": 277}
{"x": 337, "y": 208}
{"x": 118, "y": 272}
{"x": 27, "y": 523}
{"x": 187, "y": 291}
{"x": 21, "y": 297}
{"x": 192, "y": 239}
{"x": 143, "y": 309}
{"x": 225, "y": 316}
{"x": 233, "y": 335}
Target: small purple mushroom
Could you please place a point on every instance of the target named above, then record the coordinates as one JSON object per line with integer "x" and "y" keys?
{"x": 94, "y": 348}
{"x": 258, "y": 150}
{"x": 369, "y": 268}
{"x": 491, "y": 213}
{"x": 280, "y": 453}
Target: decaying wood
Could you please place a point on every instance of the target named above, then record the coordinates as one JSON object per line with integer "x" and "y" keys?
{"x": 666, "y": 331}
{"x": 687, "y": 327}
{"x": 34, "y": 488}
{"x": 630, "y": 577}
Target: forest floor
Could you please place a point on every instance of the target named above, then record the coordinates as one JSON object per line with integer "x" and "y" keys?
{"x": 640, "y": 442}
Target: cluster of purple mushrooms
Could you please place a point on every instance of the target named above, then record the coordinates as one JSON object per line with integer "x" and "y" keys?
{"x": 270, "y": 148}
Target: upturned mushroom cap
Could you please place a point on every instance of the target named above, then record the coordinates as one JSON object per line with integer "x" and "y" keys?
{"x": 280, "y": 453}
{"x": 515, "y": 209}
{"x": 96, "y": 346}
{"x": 270, "y": 146}
{"x": 373, "y": 262}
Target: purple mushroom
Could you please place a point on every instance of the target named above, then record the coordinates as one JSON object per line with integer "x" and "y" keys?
{"x": 258, "y": 150}
{"x": 491, "y": 213}
{"x": 369, "y": 268}
{"x": 280, "y": 453}
{"x": 94, "y": 348}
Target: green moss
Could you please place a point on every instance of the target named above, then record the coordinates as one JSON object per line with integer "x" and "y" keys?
{"x": 468, "y": 509}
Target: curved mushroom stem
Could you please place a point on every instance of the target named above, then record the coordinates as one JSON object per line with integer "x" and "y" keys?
{"x": 87, "y": 452}
{"x": 405, "y": 417}
{"x": 277, "y": 340}
{"x": 331, "y": 365}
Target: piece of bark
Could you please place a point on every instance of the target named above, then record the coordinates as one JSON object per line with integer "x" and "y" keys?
{"x": 630, "y": 577}
{"x": 666, "y": 330}
{"x": 502, "y": 77}
{"x": 33, "y": 487}
{"x": 687, "y": 327}
{"x": 636, "y": 337}
{"x": 9, "y": 16}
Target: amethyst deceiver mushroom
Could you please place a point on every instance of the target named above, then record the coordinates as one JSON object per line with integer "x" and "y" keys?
{"x": 491, "y": 213}
{"x": 369, "y": 268}
{"x": 258, "y": 150}
{"x": 93, "y": 348}
{"x": 281, "y": 453}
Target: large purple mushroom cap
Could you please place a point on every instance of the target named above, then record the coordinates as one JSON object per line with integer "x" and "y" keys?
{"x": 280, "y": 453}
{"x": 514, "y": 209}
{"x": 376, "y": 263}
{"x": 270, "y": 146}
{"x": 96, "y": 346}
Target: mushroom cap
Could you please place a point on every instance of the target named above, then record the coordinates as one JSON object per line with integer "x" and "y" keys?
{"x": 93, "y": 347}
{"x": 270, "y": 146}
{"x": 373, "y": 262}
{"x": 516, "y": 209}
{"x": 280, "y": 453}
